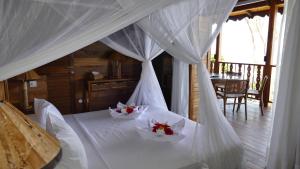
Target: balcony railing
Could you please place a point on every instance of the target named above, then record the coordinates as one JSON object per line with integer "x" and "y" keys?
{"x": 251, "y": 72}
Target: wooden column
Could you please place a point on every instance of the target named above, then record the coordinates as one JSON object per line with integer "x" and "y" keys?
{"x": 218, "y": 53}
{"x": 268, "y": 57}
{"x": 208, "y": 61}
{"x": 6, "y": 90}
{"x": 2, "y": 91}
{"x": 193, "y": 92}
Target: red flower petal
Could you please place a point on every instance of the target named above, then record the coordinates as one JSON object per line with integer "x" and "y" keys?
{"x": 169, "y": 131}
{"x": 129, "y": 110}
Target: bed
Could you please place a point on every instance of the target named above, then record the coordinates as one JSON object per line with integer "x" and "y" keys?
{"x": 115, "y": 143}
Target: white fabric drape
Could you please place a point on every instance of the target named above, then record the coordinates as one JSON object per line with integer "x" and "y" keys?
{"x": 187, "y": 36}
{"x": 285, "y": 141}
{"x": 36, "y": 32}
{"x": 133, "y": 42}
{"x": 180, "y": 88}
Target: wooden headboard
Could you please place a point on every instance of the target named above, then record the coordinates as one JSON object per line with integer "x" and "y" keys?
{"x": 2, "y": 91}
{"x": 23, "y": 144}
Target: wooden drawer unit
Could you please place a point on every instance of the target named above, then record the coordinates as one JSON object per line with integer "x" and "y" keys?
{"x": 102, "y": 94}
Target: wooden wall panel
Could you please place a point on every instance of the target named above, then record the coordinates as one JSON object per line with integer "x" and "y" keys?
{"x": 60, "y": 90}
{"x": 40, "y": 91}
{"x": 67, "y": 77}
{"x": 16, "y": 94}
{"x": 96, "y": 57}
{"x": 2, "y": 91}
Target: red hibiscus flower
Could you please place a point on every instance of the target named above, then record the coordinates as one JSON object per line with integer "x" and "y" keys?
{"x": 165, "y": 127}
{"x": 129, "y": 110}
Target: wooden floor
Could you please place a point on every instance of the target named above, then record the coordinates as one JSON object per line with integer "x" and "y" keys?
{"x": 254, "y": 133}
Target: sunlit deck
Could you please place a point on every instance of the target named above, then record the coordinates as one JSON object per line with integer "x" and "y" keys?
{"x": 254, "y": 133}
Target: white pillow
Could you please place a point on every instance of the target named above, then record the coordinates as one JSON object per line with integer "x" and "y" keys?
{"x": 73, "y": 152}
{"x": 42, "y": 108}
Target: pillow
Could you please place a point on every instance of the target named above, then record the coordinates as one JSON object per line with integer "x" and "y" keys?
{"x": 42, "y": 108}
{"x": 73, "y": 152}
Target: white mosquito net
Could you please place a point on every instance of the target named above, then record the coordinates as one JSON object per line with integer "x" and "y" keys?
{"x": 133, "y": 42}
{"x": 35, "y": 32}
{"x": 187, "y": 36}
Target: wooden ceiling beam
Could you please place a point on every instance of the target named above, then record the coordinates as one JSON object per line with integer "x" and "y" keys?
{"x": 251, "y": 4}
{"x": 254, "y": 8}
{"x": 247, "y": 2}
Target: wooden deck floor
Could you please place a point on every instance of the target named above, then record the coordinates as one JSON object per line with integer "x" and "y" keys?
{"x": 254, "y": 133}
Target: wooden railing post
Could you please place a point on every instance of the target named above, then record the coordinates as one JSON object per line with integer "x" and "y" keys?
{"x": 268, "y": 57}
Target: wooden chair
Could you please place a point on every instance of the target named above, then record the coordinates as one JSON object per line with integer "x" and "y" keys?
{"x": 258, "y": 94}
{"x": 234, "y": 89}
{"x": 221, "y": 85}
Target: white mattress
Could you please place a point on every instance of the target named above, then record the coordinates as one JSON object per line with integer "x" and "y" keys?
{"x": 115, "y": 144}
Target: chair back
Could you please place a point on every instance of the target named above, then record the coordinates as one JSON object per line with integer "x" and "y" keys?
{"x": 236, "y": 86}
{"x": 230, "y": 73}
{"x": 263, "y": 84}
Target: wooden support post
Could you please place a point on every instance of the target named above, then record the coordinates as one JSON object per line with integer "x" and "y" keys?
{"x": 2, "y": 91}
{"x": 191, "y": 93}
{"x": 218, "y": 53}
{"x": 208, "y": 61}
{"x": 268, "y": 57}
{"x": 6, "y": 90}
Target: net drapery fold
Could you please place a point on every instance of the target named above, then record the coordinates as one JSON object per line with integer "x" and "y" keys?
{"x": 284, "y": 150}
{"x": 36, "y": 32}
{"x": 187, "y": 36}
{"x": 133, "y": 42}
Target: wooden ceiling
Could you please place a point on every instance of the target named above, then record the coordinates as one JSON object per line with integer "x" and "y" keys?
{"x": 251, "y": 8}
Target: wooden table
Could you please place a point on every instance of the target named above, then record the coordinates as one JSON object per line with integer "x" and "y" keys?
{"x": 224, "y": 76}
{"x": 218, "y": 79}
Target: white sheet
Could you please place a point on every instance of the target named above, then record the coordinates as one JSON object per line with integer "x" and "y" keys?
{"x": 115, "y": 144}
{"x": 95, "y": 160}
{"x": 122, "y": 148}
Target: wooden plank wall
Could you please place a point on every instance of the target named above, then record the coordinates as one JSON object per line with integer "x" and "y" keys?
{"x": 66, "y": 77}
{"x": 96, "y": 57}
{"x": 59, "y": 75}
{"x": 2, "y": 91}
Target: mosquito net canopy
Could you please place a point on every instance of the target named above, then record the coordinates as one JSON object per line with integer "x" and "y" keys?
{"x": 35, "y": 32}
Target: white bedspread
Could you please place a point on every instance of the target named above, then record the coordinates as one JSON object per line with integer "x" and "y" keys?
{"x": 115, "y": 144}
{"x": 121, "y": 147}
